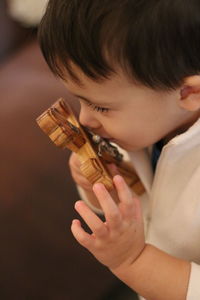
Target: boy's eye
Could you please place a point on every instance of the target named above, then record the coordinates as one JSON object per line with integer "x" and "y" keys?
{"x": 98, "y": 108}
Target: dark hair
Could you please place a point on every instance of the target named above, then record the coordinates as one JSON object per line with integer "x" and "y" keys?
{"x": 156, "y": 42}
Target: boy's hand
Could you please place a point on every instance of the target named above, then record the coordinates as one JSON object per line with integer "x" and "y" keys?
{"x": 78, "y": 177}
{"x": 119, "y": 240}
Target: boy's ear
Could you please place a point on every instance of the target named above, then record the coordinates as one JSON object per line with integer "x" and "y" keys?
{"x": 190, "y": 93}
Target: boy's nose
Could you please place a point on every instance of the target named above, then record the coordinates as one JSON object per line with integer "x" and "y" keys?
{"x": 88, "y": 119}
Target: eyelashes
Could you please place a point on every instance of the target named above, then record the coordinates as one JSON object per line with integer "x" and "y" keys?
{"x": 98, "y": 108}
{"x": 95, "y": 107}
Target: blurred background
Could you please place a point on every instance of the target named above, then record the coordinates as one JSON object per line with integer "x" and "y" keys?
{"x": 39, "y": 258}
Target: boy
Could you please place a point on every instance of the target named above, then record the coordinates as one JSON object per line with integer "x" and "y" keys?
{"x": 134, "y": 66}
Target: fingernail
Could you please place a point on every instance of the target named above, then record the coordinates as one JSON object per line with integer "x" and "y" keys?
{"x": 75, "y": 222}
{"x": 97, "y": 186}
{"x": 118, "y": 178}
{"x": 77, "y": 203}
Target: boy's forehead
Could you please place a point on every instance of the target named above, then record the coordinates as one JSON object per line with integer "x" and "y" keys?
{"x": 107, "y": 93}
{"x": 91, "y": 92}
{"x": 99, "y": 92}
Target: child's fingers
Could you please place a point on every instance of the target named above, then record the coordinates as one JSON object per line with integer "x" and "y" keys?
{"x": 91, "y": 219}
{"x": 110, "y": 209}
{"x": 123, "y": 190}
{"x": 80, "y": 235}
{"x": 127, "y": 202}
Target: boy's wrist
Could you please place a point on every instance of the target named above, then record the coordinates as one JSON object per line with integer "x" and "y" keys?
{"x": 129, "y": 263}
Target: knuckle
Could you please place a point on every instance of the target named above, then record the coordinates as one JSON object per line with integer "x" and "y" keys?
{"x": 100, "y": 231}
{"x": 83, "y": 241}
{"x": 75, "y": 173}
{"x": 129, "y": 206}
{"x": 114, "y": 216}
{"x": 73, "y": 160}
{"x": 71, "y": 163}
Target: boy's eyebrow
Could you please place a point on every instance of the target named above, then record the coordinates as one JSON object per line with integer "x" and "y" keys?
{"x": 92, "y": 102}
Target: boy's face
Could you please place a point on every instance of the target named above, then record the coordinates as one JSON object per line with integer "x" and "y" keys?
{"x": 137, "y": 116}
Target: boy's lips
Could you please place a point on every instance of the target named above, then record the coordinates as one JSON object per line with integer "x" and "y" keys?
{"x": 113, "y": 141}
{"x": 108, "y": 138}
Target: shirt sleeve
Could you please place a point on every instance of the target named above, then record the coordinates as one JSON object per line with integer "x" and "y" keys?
{"x": 194, "y": 283}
